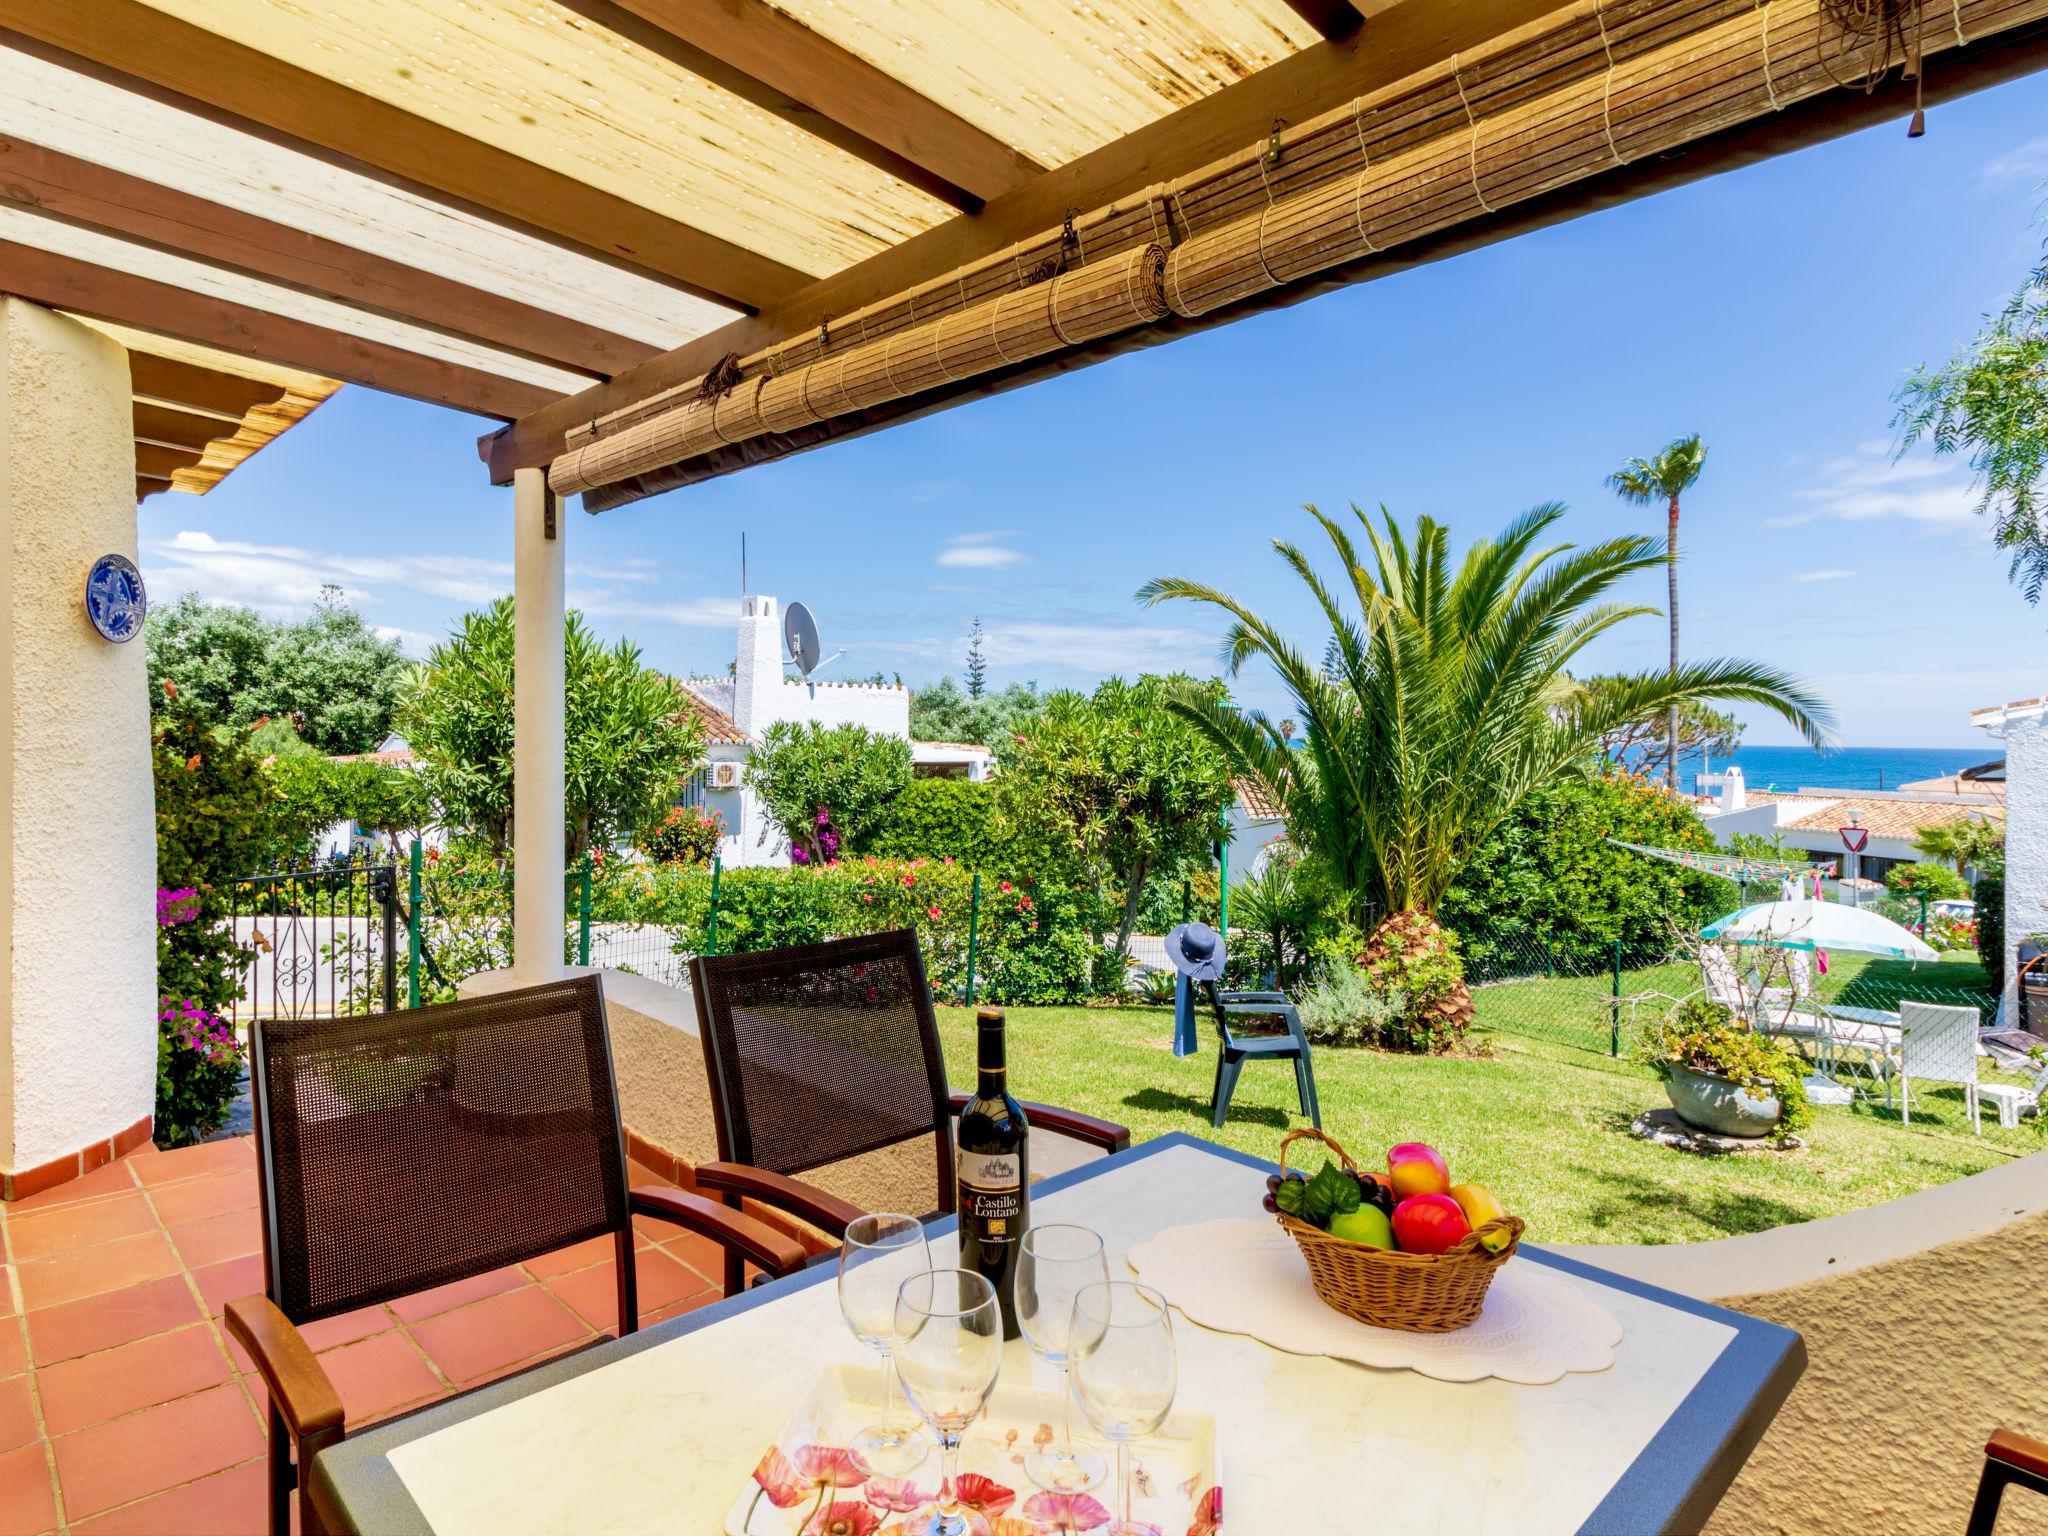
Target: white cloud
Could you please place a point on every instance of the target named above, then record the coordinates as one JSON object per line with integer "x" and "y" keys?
{"x": 1099, "y": 646}
{"x": 980, "y": 551}
{"x": 692, "y": 612}
{"x": 411, "y": 641}
{"x": 1869, "y": 486}
{"x": 1821, "y": 576}
{"x": 2023, "y": 163}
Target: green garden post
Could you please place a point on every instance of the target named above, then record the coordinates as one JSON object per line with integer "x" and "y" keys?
{"x": 1923, "y": 914}
{"x": 1223, "y": 893}
{"x": 973, "y": 932}
{"x": 711, "y": 924}
{"x": 1614, "y": 1028}
{"x": 583, "y": 911}
{"x": 412, "y": 926}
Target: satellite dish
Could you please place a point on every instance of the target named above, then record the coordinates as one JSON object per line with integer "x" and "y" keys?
{"x": 800, "y": 634}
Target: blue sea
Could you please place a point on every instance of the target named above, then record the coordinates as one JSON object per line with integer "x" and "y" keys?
{"x": 1845, "y": 767}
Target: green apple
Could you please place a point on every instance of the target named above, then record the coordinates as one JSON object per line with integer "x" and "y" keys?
{"x": 1368, "y": 1224}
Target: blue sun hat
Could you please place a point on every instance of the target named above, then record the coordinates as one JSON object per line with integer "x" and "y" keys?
{"x": 1196, "y": 951}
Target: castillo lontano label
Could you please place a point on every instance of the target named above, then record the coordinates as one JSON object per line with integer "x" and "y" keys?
{"x": 992, "y": 1194}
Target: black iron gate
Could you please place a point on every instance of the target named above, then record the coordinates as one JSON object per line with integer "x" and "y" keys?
{"x": 321, "y": 940}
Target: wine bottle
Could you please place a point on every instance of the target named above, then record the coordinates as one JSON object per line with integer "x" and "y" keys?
{"x": 992, "y": 1166}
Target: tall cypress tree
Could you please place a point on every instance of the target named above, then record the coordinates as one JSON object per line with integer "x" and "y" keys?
{"x": 977, "y": 664}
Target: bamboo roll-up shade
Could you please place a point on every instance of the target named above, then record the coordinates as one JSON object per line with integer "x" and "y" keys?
{"x": 1068, "y": 309}
{"x": 1755, "y": 59}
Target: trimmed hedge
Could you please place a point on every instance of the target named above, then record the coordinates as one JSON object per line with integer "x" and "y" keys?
{"x": 945, "y": 819}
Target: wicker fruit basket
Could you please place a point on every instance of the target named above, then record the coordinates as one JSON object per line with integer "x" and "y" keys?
{"x": 1416, "y": 1292}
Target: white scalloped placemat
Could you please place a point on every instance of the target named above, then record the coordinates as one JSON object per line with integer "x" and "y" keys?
{"x": 1248, "y": 1277}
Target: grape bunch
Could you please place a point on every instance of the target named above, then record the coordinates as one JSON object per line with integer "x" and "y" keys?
{"x": 1372, "y": 1191}
{"x": 1273, "y": 1187}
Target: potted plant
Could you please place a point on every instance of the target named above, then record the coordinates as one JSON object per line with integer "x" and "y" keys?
{"x": 1725, "y": 1078}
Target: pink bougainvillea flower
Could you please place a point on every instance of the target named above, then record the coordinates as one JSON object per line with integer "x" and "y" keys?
{"x": 983, "y": 1495}
{"x": 778, "y": 1479}
{"x": 1208, "y": 1514}
{"x": 1066, "y": 1511}
{"x": 898, "y": 1495}
{"x": 827, "y": 1466}
{"x": 844, "y": 1519}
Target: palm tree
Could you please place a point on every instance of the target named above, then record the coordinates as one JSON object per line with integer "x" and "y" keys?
{"x": 1449, "y": 701}
{"x": 1644, "y": 483}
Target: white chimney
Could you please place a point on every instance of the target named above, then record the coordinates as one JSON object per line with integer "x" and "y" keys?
{"x": 1733, "y": 797}
{"x": 757, "y": 673}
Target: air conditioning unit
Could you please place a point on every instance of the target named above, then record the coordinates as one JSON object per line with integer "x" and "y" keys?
{"x": 725, "y": 775}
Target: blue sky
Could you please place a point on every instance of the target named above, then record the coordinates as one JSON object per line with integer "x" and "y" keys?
{"x": 1771, "y": 309}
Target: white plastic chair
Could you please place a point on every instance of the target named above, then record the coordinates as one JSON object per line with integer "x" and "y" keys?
{"x": 1938, "y": 1044}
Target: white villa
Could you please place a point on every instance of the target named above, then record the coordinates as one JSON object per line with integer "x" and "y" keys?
{"x": 736, "y": 711}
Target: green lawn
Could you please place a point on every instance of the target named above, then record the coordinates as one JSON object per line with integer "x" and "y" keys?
{"x": 1542, "y": 1123}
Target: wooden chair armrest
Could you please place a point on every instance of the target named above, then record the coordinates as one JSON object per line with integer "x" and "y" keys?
{"x": 1106, "y": 1134}
{"x": 293, "y": 1376}
{"x": 760, "y": 1244}
{"x": 2022, "y": 1451}
{"x": 820, "y": 1208}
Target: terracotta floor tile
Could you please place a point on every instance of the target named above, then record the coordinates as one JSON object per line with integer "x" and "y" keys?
{"x": 332, "y": 1332}
{"x": 476, "y": 1341}
{"x": 380, "y": 1375}
{"x": 59, "y": 1228}
{"x": 13, "y": 1346}
{"x": 700, "y": 1253}
{"x": 158, "y": 1448}
{"x": 593, "y": 1250}
{"x": 100, "y": 1322}
{"x": 458, "y": 1293}
{"x": 225, "y": 1504}
{"x": 594, "y": 1293}
{"x": 155, "y": 1168}
{"x": 678, "y": 1308}
{"x": 112, "y": 1179}
{"x": 17, "y": 1414}
{"x": 193, "y": 1200}
{"x": 26, "y": 1506}
{"x": 125, "y": 1261}
{"x": 222, "y": 1283}
{"x": 93, "y": 1388}
{"x": 219, "y": 1238}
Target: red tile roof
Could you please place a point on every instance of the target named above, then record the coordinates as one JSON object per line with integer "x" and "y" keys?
{"x": 718, "y": 727}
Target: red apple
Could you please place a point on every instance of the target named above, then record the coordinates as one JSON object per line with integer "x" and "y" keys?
{"x": 1416, "y": 1169}
{"x": 1429, "y": 1224}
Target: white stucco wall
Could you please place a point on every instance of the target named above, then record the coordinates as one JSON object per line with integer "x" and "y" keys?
{"x": 763, "y": 694}
{"x": 2026, "y": 837}
{"x": 78, "y": 858}
{"x": 1249, "y": 837}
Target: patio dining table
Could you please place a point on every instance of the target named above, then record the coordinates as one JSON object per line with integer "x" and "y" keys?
{"x": 661, "y": 1431}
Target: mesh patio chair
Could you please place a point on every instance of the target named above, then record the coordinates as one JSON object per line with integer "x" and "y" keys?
{"x": 2008, "y": 1459}
{"x": 822, "y": 1053}
{"x": 1938, "y": 1044}
{"x": 401, "y": 1151}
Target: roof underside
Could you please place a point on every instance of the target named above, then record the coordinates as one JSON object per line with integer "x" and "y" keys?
{"x": 552, "y": 212}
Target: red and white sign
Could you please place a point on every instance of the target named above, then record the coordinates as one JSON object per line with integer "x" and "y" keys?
{"x": 1853, "y": 838}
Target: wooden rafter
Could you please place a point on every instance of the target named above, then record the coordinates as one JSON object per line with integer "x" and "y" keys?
{"x": 1332, "y": 18}
{"x": 1399, "y": 38}
{"x": 64, "y": 282}
{"x": 136, "y": 40}
{"x": 773, "y": 60}
{"x": 50, "y": 182}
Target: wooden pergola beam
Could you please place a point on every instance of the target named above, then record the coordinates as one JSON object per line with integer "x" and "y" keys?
{"x": 64, "y": 282}
{"x": 1398, "y": 38}
{"x": 50, "y": 182}
{"x": 137, "y": 40}
{"x": 187, "y": 387}
{"x": 771, "y": 59}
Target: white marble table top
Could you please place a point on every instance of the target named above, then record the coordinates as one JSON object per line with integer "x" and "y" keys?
{"x": 656, "y": 1433}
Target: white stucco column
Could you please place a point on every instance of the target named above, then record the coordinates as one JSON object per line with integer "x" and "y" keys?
{"x": 2024, "y": 730}
{"x": 78, "y": 998}
{"x": 539, "y": 745}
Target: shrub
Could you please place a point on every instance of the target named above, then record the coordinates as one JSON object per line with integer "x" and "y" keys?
{"x": 1343, "y": 1009}
{"x": 314, "y": 792}
{"x": 1703, "y": 1036}
{"x": 944, "y": 818}
{"x": 1934, "y": 881}
{"x": 828, "y": 787}
{"x": 687, "y": 834}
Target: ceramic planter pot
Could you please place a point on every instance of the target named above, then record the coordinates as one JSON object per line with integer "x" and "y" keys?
{"x": 1719, "y": 1104}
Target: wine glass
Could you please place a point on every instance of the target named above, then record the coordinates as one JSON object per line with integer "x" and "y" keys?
{"x": 1054, "y": 1263}
{"x": 1124, "y": 1371}
{"x": 877, "y": 1255}
{"x": 949, "y": 1345}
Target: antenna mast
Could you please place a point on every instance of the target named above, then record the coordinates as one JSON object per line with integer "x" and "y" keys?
{"x": 743, "y": 562}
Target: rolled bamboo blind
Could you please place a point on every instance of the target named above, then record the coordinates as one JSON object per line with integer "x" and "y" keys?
{"x": 1067, "y": 309}
{"x": 1592, "y": 85}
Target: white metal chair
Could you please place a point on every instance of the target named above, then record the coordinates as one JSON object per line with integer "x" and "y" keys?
{"x": 1938, "y": 1044}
